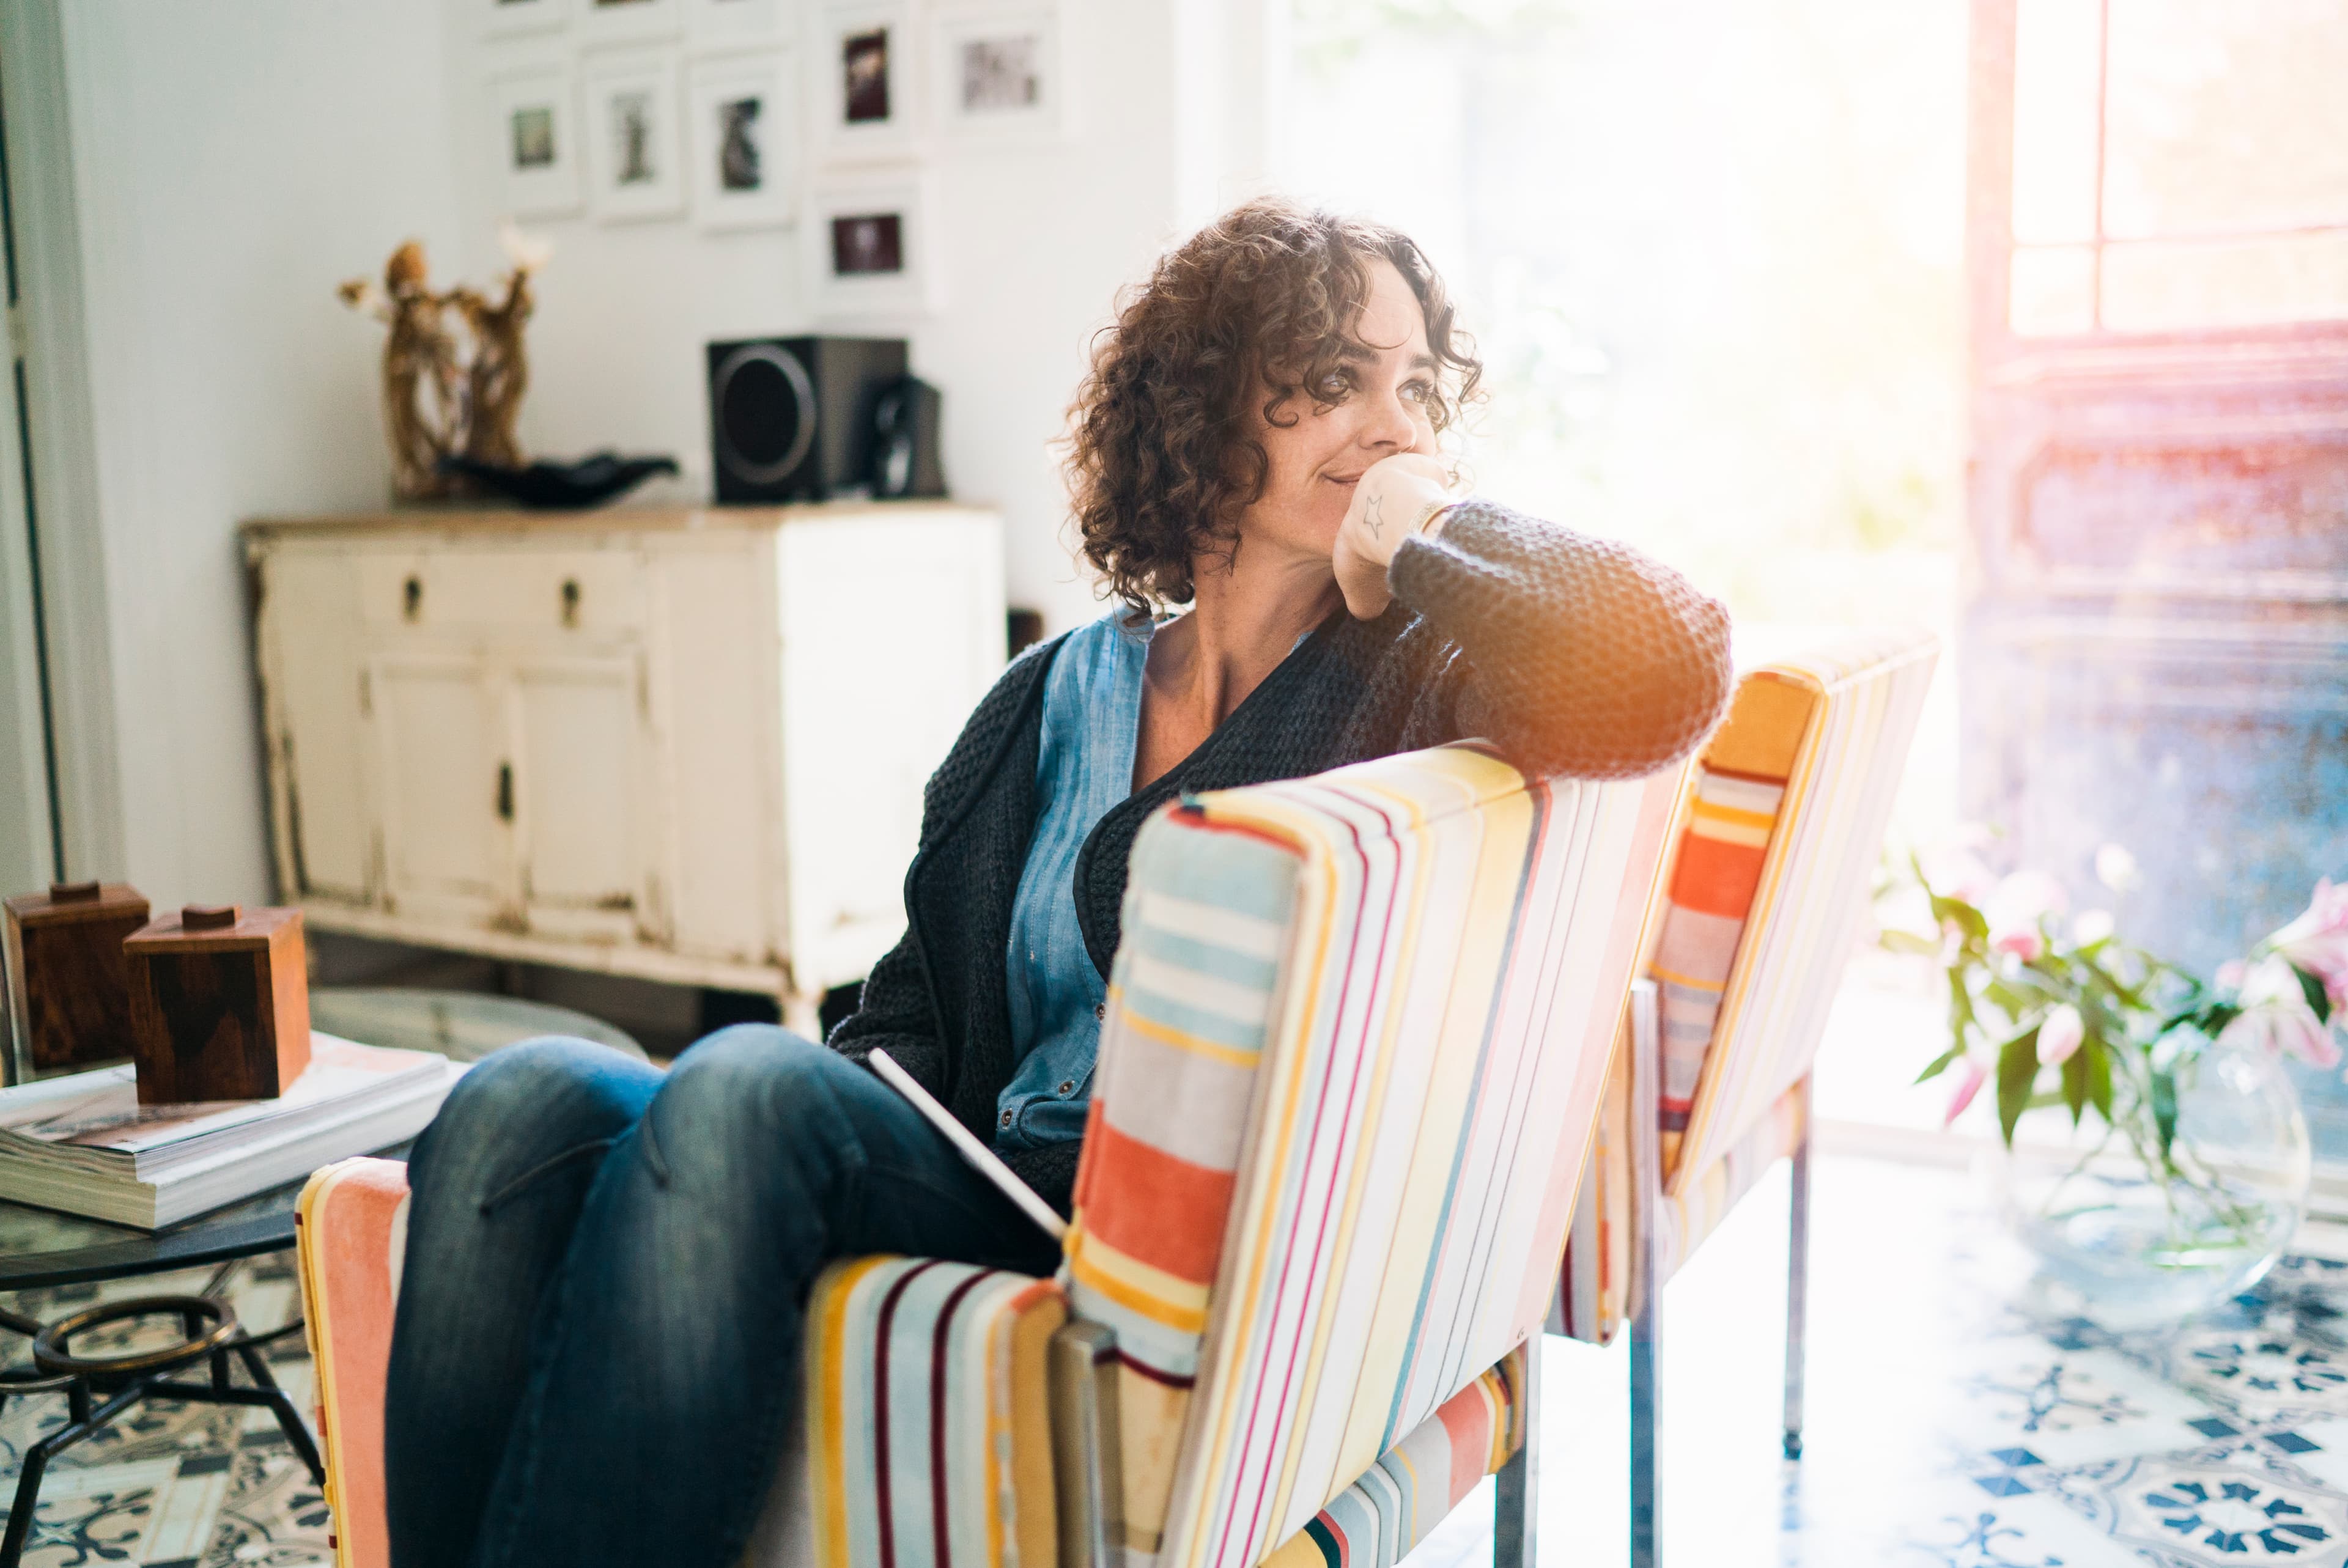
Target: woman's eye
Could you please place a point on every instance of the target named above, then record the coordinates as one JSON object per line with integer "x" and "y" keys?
{"x": 1333, "y": 387}
{"x": 1417, "y": 391}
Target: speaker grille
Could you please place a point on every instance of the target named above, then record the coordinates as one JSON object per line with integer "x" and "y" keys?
{"x": 766, "y": 413}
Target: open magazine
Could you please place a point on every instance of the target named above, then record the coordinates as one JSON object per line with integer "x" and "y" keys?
{"x": 83, "y": 1144}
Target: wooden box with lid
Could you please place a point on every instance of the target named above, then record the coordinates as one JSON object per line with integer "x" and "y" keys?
{"x": 68, "y": 986}
{"x": 220, "y": 1004}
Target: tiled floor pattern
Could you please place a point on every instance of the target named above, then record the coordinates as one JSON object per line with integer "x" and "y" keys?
{"x": 1950, "y": 1425}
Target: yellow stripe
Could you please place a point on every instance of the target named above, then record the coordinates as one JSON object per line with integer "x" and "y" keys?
{"x": 1712, "y": 810}
{"x": 1190, "y": 1320}
{"x": 1677, "y": 979}
{"x": 826, "y": 1412}
{"x": 1165, "y": 1034}
{"x": 1135, "y": 1275}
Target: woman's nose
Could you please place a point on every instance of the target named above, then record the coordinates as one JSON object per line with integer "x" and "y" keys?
{"x": 1388, "y": 424}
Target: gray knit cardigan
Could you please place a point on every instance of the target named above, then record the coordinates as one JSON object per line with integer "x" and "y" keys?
{"x": 1577, "y": 656}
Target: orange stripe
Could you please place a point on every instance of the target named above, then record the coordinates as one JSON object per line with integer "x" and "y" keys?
{"x": 1163, "y": 1210}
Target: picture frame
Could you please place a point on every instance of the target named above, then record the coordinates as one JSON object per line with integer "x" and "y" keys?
{"x": 869, "y": 246}
{"x": 515, "y": 18}
{"x": 867, "y": 84}
{"x": 743, "y": 121}
{"x": 535, "y": 136}
{"x": 999, "y": 72}
{"x": 635, "y": 141}
{"x": 734, "y": 21}
{"x": 628, "y": 21}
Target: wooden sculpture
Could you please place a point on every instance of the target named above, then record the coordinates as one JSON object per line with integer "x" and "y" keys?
{"x": 220, "y": 1004}
{"x": 68, "y": 988}
{"x": 454, "y": 369}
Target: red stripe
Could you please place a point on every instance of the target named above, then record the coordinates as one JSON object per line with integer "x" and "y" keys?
{"x": 881, "y": 1407}
{"x": 938, "y": 1415}
{"x": 1171, "y": 1379}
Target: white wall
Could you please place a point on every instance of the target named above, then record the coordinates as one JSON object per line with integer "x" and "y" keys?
{"x": 229, "y": 164}
{"x": 1033, "y": 243}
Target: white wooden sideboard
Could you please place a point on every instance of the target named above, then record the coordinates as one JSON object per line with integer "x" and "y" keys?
{"x": 683, "y": 744}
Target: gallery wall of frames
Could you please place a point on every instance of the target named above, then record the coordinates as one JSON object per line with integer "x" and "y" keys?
{"x": 824, "y": 116}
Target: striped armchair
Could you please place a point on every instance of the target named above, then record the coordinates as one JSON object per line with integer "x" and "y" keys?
{"x": 1774, "y": 846}
{"x": 1359, "y": 1031}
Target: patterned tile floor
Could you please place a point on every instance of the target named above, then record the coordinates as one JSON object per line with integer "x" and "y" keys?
{"x": 1949, "y": 1425}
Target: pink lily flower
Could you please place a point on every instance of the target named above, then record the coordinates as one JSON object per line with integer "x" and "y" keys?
{"x": 2015, "y": 908}
{"x": 2059, "y": 1034}
{"x": 1972, "y": 1073}
{"x": 2317, "y": 941}
{"x": 2276, "y": 1018}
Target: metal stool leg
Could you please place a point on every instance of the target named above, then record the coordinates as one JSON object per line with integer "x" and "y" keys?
{"x": 1798, "y": 1285}
{"x": 1516, "y": 1503}
{"x": 297, "y": 1430}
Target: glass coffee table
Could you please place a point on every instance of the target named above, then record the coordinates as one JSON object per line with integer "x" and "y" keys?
{"x": 40, "y": 1249}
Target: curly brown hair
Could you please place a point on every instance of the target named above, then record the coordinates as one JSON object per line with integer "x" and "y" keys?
{"x": 1161, "y": 456}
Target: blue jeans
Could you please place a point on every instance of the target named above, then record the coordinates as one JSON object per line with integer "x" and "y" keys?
{"x": 599, "y": 1320}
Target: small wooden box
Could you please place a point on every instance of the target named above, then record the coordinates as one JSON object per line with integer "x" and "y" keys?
{"x": 220, "y": 1004}
{"x": 68, "y": 985}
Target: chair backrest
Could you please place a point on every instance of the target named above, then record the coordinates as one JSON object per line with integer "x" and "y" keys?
{"x": 1838, "y": 719}
{"x": 1360, "y": 1026}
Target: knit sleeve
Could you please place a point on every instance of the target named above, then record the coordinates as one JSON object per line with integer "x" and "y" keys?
{"x": 1583, "y": 657}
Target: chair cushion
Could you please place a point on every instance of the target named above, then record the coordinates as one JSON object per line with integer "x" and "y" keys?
{"x": 926, "y": 1432}
{"x": 350, "y": 1234}
{"x": 1409, "y": 971}
{"x": 1376, "y": 1522}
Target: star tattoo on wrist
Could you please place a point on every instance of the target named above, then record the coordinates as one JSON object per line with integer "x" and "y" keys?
{"x": 1374, "y": 517}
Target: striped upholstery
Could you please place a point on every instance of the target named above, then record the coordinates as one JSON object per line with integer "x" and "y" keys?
{"x": 1751, "y": 945}
{"x": 1410, "y": 970}
{"x": 1376, "y": 1522}
{"x": 1359, "y": 1030}
{"x": 351, "y": 1233}
{"x": 928, "y": 1438}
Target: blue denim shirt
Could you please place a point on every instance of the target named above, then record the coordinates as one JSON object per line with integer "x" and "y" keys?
{"x": 1084, "y": 767}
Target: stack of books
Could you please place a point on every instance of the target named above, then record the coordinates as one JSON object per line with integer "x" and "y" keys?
{"x": 84, "y": 1146}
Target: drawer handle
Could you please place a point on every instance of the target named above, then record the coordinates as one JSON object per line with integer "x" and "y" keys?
{"x": 570, "y": 601}
{"x": 412, "y": 597}
{"x": 505, "y": 792}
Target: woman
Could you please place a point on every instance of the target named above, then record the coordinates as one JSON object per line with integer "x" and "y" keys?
{"x": 606, "y": 1267}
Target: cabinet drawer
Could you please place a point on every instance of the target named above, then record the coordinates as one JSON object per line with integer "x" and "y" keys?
{"x": 506, "y": 591}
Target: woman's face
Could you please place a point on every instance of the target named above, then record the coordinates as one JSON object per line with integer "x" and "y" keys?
{"x": 1376, "y": 407}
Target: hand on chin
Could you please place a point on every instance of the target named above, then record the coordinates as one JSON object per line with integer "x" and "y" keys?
{"x": 1397, "y": 496}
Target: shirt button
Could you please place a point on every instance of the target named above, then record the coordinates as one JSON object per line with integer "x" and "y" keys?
{"x": 1100, "y": 1010}
{"x": 1006, "y": 1118}
{"x": 1067, "y": 1086}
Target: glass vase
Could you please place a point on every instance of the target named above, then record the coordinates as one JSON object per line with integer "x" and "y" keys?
{"x": 2134, "y": 1242}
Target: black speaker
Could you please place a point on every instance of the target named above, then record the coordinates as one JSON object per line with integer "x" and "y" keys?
{"x": 792, "y": 419}
{"x": 905, "y": 441}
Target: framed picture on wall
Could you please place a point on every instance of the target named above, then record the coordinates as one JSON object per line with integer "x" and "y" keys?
{"x": 742, "y": 117}
{"x": 865, "y": 76}
{"x": 635, "y": 157}
{"x": 509, "y": 18}
{"x": 869, "y": 246}
{"x": 997, "y": 70}
{"x": 734, "y": 21}
{"x": 534, "y": 134}
{"x": 614, "y": 21}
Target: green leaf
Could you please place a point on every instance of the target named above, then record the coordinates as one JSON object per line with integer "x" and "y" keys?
{"x": 2099, "y": 1076}
{"x": 2075, "y": 1082}
{"x": 1940, "y": 1063}
{"x": 2164, "y": 1110}
{"x": 2017, "y": 1068}
{"x": 1970, "y": 920}
{"x": 1908, "y": 942}
{"x": 2316, "y": 996}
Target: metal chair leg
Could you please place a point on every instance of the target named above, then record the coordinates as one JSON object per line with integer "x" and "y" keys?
{"x": 1798, "y": 1285}
{"x": 1516, "y": 1501}
{"x": 1646, "y": 1324}
{"x": 289, "y": 1420}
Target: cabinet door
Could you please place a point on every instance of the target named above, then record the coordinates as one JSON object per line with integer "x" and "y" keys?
{"x": 448, "y": 795}
{"x": 311, "y": 672}
{"x": 579, "y": 755}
